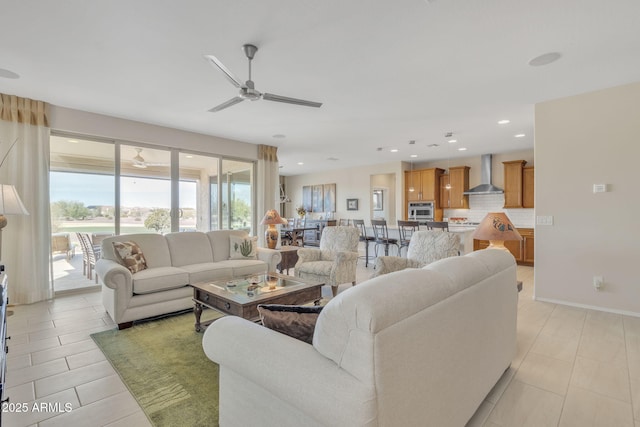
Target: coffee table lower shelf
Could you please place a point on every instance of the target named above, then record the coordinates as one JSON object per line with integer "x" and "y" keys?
{"x": 214, "y": 295}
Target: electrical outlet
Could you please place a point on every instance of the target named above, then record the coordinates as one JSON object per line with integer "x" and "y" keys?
{"x": 598, "y": 282}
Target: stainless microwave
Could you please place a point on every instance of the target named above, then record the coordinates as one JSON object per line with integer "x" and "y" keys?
{"x": 421, "y": 210}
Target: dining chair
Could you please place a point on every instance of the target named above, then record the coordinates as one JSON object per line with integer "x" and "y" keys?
{"x": 381, "y": 235}
{"x": 442, "y": 225}
{"x": 344, "y": 222}
{"x": 359, "y": 223}
{"x": 406, "y": 230}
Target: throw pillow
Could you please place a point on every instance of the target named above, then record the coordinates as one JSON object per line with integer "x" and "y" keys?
{"x": 242, "y": 247}
{"x": 131, "y": 256}
{"x": 294, "y": 320}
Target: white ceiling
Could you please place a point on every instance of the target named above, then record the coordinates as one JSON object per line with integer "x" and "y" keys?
{"x": 387, "y": 71}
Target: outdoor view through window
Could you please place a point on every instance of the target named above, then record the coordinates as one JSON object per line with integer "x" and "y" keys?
{"x": 83, "y": 198}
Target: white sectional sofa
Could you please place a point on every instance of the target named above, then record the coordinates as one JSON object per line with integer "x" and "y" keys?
{"x": 417, "y": 347}
{"x": 173, "y": 261}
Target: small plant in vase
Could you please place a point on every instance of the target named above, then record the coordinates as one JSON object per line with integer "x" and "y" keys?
{"x": 301, "y": 211}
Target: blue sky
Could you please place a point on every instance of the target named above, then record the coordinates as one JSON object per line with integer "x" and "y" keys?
{"x": 93, "y": 189}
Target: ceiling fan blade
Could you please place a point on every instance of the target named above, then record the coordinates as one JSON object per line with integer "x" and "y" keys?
{"x": 215, "y": 61}
{"x": 226, "y": 104}
{"x": 286, "y": 99}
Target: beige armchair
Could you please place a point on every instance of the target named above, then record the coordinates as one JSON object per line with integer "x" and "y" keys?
{"x": 425, "y": 247}
{"x": 334, "y": 262}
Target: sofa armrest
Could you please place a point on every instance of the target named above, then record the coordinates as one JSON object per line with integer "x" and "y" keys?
{"x": 308, "y": 254}
{"x": 290, "y": 369}
{"x": 114, "y": 275}
{"x": 389, "y": 264}
{"x": 271, "y": 256}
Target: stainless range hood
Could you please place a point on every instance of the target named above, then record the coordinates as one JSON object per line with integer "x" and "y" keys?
{"x": 486, "y": 187}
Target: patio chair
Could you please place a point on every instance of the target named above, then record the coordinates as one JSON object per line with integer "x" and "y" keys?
{"x": 89, "y": 255}
{"x": 61, "y": 242}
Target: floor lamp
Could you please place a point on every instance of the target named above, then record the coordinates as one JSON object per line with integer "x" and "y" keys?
{"x": 10, "y": 204}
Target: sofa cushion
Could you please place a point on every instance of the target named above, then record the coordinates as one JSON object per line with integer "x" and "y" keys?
{"x": 294, "y": 320}
{"x": 241, "y": 247}
{"x": 207, "y": 271}
{"x": 159, "y": 279}
{"x": 130, "y": 255}
{"x": 154, "y": 246}
{"x": 244, "y": 267}
{"x": 190, "y": 247}
{"x": 219, "y": 240}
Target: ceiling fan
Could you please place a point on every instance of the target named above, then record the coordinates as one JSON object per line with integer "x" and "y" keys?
{"x": 247, "y": 89}
{"x": 139, "y": 162}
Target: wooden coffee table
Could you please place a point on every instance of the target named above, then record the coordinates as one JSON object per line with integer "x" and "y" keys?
{"x": 236, "y": 296}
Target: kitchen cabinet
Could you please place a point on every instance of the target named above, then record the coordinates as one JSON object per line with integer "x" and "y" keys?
{"x": 518, "y": 184}
{"x": 522, "y": 250}
{"x": 426, "y": 184}
{"x": 454, "y": 197}
{"x": 528, "y": 175}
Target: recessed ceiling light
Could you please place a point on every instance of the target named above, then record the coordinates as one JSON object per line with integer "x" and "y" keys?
{"x": 73, "y": 141}
{"x": 451, "y": 141}
{"x": 8, "y": 74}
{"x": 414, "y": 155}
{"x": 300, "y": 163}
{"x": 545, "y": 58}
{"x": 279, "y": 136}
{"x": 189, "y": 156}
{"x": 394, "y": 150}
{"x": 519, "y": 135}
{"x": 432, "y": 145}
{"x": 503, "y": 121}
{"x": 462, "y": 149}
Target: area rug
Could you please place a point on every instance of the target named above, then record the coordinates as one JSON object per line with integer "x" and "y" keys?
{"x": 163, "y": 365}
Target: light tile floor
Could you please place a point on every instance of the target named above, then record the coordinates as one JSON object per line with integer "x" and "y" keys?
{"x": 573, "y": 367}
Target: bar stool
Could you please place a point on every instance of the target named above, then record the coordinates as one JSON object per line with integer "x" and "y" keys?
{"x": 381, "y": 235}
{"x": 406, "y": 229}
{"x": 364, "y": 238}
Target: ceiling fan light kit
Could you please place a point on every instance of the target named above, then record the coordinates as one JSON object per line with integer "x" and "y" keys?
{"x": 247, "y": 89}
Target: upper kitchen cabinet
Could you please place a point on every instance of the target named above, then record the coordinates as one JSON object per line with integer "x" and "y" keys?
{"x": 425, "y": 183}
{"x": 528, "y": 175}
{"x": 458, "y": 180}
{"x": 518, "y": 184}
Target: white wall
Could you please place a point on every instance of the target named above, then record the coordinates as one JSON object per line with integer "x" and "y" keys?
{"x": 353, "y": 183}
{"x": 580, "y": 141}
{"x": 82, "y": 122}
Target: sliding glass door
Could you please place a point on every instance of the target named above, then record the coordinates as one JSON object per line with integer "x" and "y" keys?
{"x": 104, "y": 187}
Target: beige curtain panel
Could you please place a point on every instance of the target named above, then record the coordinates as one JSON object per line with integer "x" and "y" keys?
{"x": 23, "y": 110}
{"x": 268, "y": 153}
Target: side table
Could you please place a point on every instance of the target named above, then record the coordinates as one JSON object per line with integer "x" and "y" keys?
{"x": 289, "y": 258}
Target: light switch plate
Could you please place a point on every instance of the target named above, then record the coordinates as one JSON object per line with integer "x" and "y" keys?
{"x": 544, "y": 220}
{"x": 599, "y": 188}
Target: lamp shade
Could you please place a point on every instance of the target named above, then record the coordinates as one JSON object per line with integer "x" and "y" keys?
{"x": 496, "y": 227}
{"x": 272, "y": 217}
{"x": 10, "y": 203}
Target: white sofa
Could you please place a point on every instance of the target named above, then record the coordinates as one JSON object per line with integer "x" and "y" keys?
{"x": 417, "y": 347}
{"x": 173, "y": 261}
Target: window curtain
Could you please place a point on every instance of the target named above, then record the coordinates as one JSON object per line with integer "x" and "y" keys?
{"x": 24, "y": 145}
{"x": 267, "y": 185}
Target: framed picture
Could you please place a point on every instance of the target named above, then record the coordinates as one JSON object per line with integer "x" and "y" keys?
{"x": 377, "y": 200}
{"x": 306, "y": 198}
{"x": 317, "y": 198}
{"x": 329, "y": 197}
{"x": 352, "y": 204}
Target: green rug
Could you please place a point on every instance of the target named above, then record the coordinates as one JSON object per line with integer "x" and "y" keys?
{"x": 163, "y": 365}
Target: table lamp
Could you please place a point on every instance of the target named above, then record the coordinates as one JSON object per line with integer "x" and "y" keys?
{"x": 271, "y": 218}
{"x": 496, "y": 228}
{"x": 10, "y": 204}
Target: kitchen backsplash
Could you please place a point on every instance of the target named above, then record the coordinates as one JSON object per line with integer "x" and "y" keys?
{"x": 481, "y": 204}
